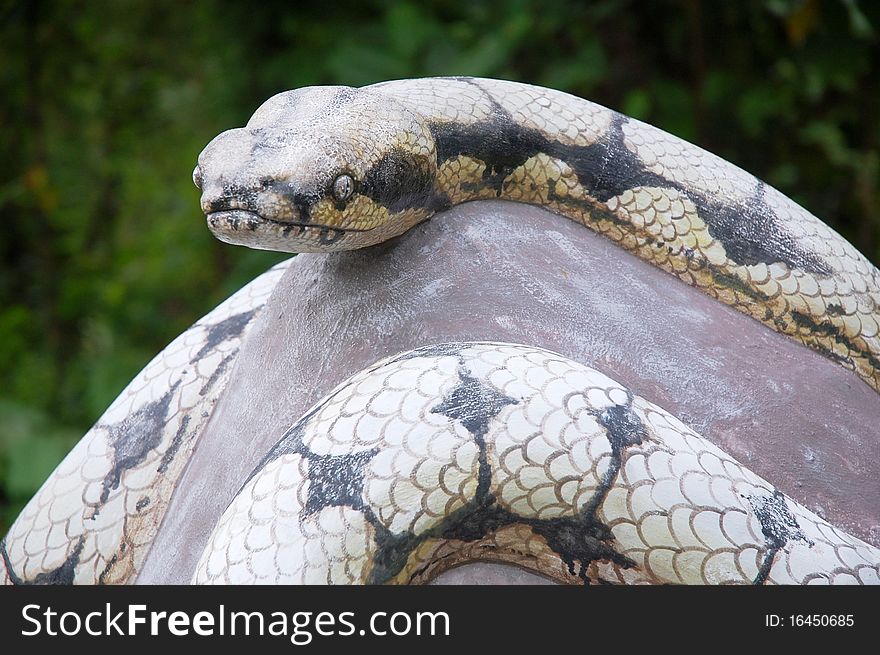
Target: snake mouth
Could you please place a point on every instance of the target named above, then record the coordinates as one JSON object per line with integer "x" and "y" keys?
{"x": 243, "y": 227}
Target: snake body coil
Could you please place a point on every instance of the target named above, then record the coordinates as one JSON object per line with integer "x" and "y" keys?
{"x": 466, "y": 451}
{"x": 414, "y": 147}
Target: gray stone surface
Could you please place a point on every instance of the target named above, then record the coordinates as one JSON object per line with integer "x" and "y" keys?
{"x": 507, "y": 272}
{"x": 485, "y": 573}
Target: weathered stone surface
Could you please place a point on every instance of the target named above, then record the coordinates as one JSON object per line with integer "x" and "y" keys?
{"x": 484, "y": 573}
{"x": 507, "y": 272}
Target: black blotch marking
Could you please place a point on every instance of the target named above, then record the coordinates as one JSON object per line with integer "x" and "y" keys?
{"x": 228, "y": 328}
{"x": 300, "y": 229}
{"x": 392, "y": 550}
{"x": 497, "y": 141}
{"x": 578, "y": 540}
{"x": 750, "y": 231}
{"x": 623, "y": 425}
{"x": 439, "y": 202}
{"x": 400, "y": 180}
{"x": 474, "y": 404}
{"x": 778, "y": 525}
{"x": 291, "y": 443}
{"x": 134, "y": 437}
{"x": 590, "y": 208}
{"x": 174, "y": 446}
{"x": 62, "y": 575}
{"x": 624, "y": 428}
{"x": 221, "y": 368}
{"x": 227, "y": 201}
{"x": 302, "y": 202}
{"x": 336, "y": 481}
{"x": 142, "y": 503}
{"x": 248, "y": 198}
{"x": 733, "y": 282}
{"x": 828, "y": 329}
{"x": 329, "y": 235}
{"x": 102, "y": 576}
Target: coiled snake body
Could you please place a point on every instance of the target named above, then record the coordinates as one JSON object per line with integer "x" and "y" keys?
{"x": 463, "y": 451}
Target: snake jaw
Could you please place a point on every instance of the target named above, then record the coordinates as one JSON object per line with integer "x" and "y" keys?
{"x": 247, "y": 228}
{"x": 232, "y": 219}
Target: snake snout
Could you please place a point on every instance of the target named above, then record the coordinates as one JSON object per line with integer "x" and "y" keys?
{"x": 218, "y": 196}
{"x": 263, "y": 203}
{"x": 222, "y": 203}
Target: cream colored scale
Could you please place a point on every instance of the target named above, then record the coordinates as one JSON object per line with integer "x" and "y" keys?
{"x": 679, "y": 508}
{"x": 660, "y": 224}
{"x": 69, "y": 522}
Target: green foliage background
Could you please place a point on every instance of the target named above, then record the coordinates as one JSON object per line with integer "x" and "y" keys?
{"x": 106, "y": 105}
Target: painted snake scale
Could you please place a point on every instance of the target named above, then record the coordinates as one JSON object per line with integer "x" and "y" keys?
{"x": 469, "y": 451}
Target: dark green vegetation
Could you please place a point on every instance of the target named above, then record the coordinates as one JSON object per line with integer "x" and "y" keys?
{"x": 105, "y": 106}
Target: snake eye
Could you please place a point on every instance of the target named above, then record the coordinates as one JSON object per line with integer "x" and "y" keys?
{"x": 197, "y": 177}
{"x": 343, "y": 187}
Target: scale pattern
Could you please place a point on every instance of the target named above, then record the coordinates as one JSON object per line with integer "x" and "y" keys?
{"x": 411, "y": 148}
{"x": 414, "y": 147}
{"x": 95, "y": 517}
{"x": 693, "y": 214}
{"x": 470, "y": 451}
{"x": 508, "y": 452}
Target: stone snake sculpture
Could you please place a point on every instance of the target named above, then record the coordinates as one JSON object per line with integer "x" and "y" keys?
{"x": 470, "y": 451}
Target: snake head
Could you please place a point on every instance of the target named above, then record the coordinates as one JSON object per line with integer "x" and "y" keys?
{"x": 318, "y": 169}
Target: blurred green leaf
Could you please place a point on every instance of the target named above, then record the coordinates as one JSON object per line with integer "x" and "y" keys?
{"x": 637, "y": 104}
